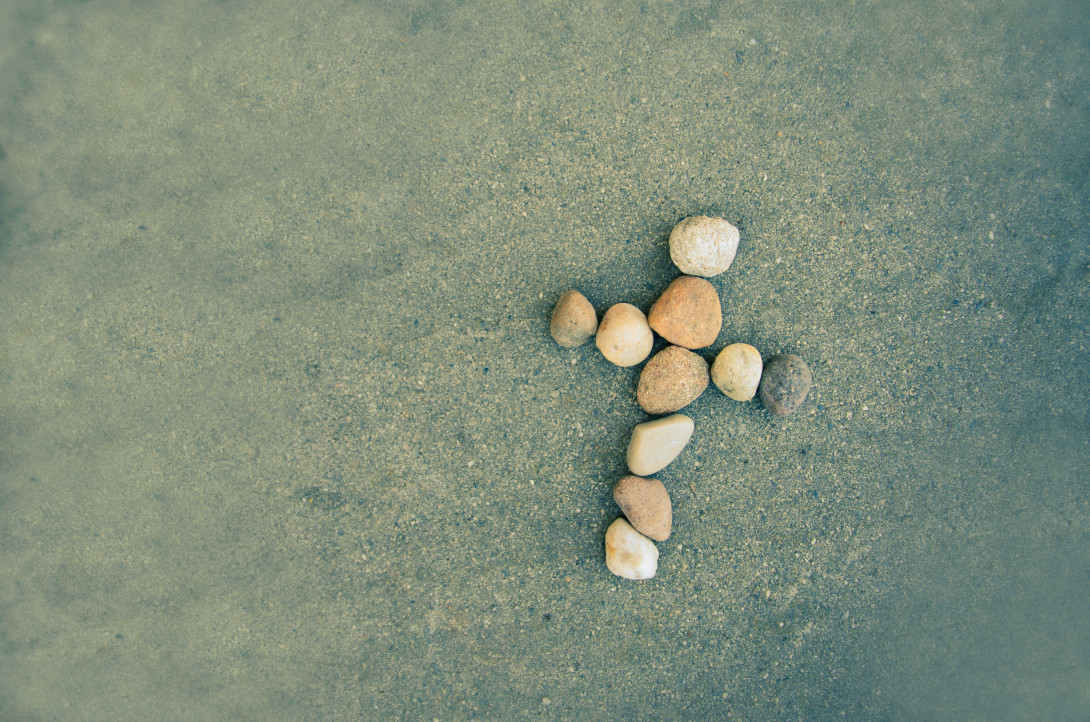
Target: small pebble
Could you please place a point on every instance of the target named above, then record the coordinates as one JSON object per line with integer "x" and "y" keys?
{"x": 630, "y": 554}
{"x": 574, "y": 320}
{"x": 646, "y": 505}
{"x": 737, "y": 371}
{"x": 688, "y": 313}
{"x": 671, "y": 380}
{"x": 703, "y": 246}
{"x": 785, "y": 383}
{"x": 656, "y": 443}
{"x": 624, "y": 337}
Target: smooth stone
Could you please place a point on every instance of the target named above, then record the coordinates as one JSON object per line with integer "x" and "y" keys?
{"x": 671, "y": 380}
{"x": 574, "y": 320}
{"x": 624, "y": 337}
{"x": 688, "y": 313}
{"x": 630, "y": 554}
{"x": 703, "y": 246}
{"x": 656, "y": 443}
{"x": 785, "y": 383}
{"x": 736, "y": 371}
{"x": 646, "y": 505}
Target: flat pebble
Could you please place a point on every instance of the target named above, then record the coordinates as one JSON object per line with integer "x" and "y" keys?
{"x": 688, "y": 313}
{"x": 630, "y": 554}
{"x": 736, "y": 371}
{"x": 785, "y": 383}
{"x": 703, "y": 246}
{"x": 671, "y": 380}
{"x": 574, "y": 320}
{"x": 655, "y": 444}
{"x": 624, "y": 337}
{"x": 646, "y": 505}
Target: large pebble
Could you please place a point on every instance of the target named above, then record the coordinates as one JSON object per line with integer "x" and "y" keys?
{"x": 646, "y": 505}
{"x": 737, "y": 371}
{"x": 703, "y": 246}
{"x": 688, "y": 313}
{"x": 624, "y": 337}
{"x": 574, "y": 320}
{"x": 671, "y": 380}
{"x": 785, "y": 383}
{"x": 630, "y": 554}
{"x": 655, "y": 444}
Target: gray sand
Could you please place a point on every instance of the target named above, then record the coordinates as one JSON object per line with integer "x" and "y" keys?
{"x": 283, "y": 435}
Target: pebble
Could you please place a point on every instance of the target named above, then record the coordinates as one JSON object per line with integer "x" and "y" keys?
{"x": 646, "y": 505}
{"x": 624, "y": 337}
{"x": 630, "y": 554}
{"x": 785, "y": 383}
{"x": 574, "y": 320}
{"x": 737, "y": 371}
{"x": 688, "y": 313}
{"x": 703, "y": 246}
{"x": 656, "y": 443}
{"x": 671, "y": 380}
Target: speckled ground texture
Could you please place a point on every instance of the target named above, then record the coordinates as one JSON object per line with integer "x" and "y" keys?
{"x": 283, "y": 435}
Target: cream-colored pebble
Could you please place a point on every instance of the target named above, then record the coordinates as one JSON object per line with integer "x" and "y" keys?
{"x": 656, "y": 443}
{"x": 737, "y": 371}
{"x": 630, "y": 554}
{"x": 624, "y": 337}
{"x": 703, "y": 246}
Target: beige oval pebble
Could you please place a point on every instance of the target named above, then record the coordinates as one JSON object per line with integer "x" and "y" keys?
{"x": 703, "y": 246}
{"x": 656, "y": 443}
{"x": 737, "y": 371}
{"x": 624, "y": 337}
{"x": 630, "y": 554}
{"x": 688, "y": 313}
{"x": 646, "y": 505}
{"x": 573, "y": 320}
{"x": 671, "y": 380}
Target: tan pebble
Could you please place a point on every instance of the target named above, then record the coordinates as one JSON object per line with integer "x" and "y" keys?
{"x": 671, "y": 380}
{"x": 737, "y": 371}
{"x": 655, "y": 444}
{"x": 573, "y": 320}
{"x": 624, "y": 337}
{"x": 703, "y": 246}
{"x": 646, "y": 505}
{"x": 630, "y": 554}
{"x": 688, "y": 313}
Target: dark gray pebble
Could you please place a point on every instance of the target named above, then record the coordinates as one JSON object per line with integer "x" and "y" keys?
{"x": 784, "y": 384}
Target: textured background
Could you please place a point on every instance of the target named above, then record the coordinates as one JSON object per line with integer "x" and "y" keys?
{"x": 283, "y": 435}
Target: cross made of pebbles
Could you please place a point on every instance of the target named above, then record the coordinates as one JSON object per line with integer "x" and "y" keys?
{"x": 688, "y": 315}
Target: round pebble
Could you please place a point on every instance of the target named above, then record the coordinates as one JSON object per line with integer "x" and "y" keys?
{"x": 655, "y": 444}
{"x": 574, "y": 320}
{"x": 671, "y": 380}
{"x": 646, "y": 505}
{"x": 785, "y": 383}
{"x": 703, "y": 246}
{"x": 630, "y": 554}
{"x": 737, "y": 371}
{"x": 688, "y": 313}
{"x": 624, "y": 337}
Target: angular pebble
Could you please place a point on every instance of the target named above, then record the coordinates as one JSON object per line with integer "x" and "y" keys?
{"x": 785, "y": 383}
{"x": 624, "y": 337}
{"x": 574, "y": 320}
{"x": 688, "y": 313}
{"x": 646, "y": 505}
{"x": 630, "y": 554}
{"x": 736, "y": 371}
{"x": 656, "y": 443}
{"x": 671, "y": 380}
{"x": 703, "y": 246}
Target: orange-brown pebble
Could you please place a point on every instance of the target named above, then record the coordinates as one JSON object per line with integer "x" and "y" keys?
{"x": 687, "y": 313}
{"x": 646, "y": 505}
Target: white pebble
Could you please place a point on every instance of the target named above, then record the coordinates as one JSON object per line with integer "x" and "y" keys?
{"x": 703, "y": 246}
{"x": 656, "y": 443}
{"x": 624, "y": 337}
{"x": 630, "y": 554}
{"x": 737, "y": 371}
